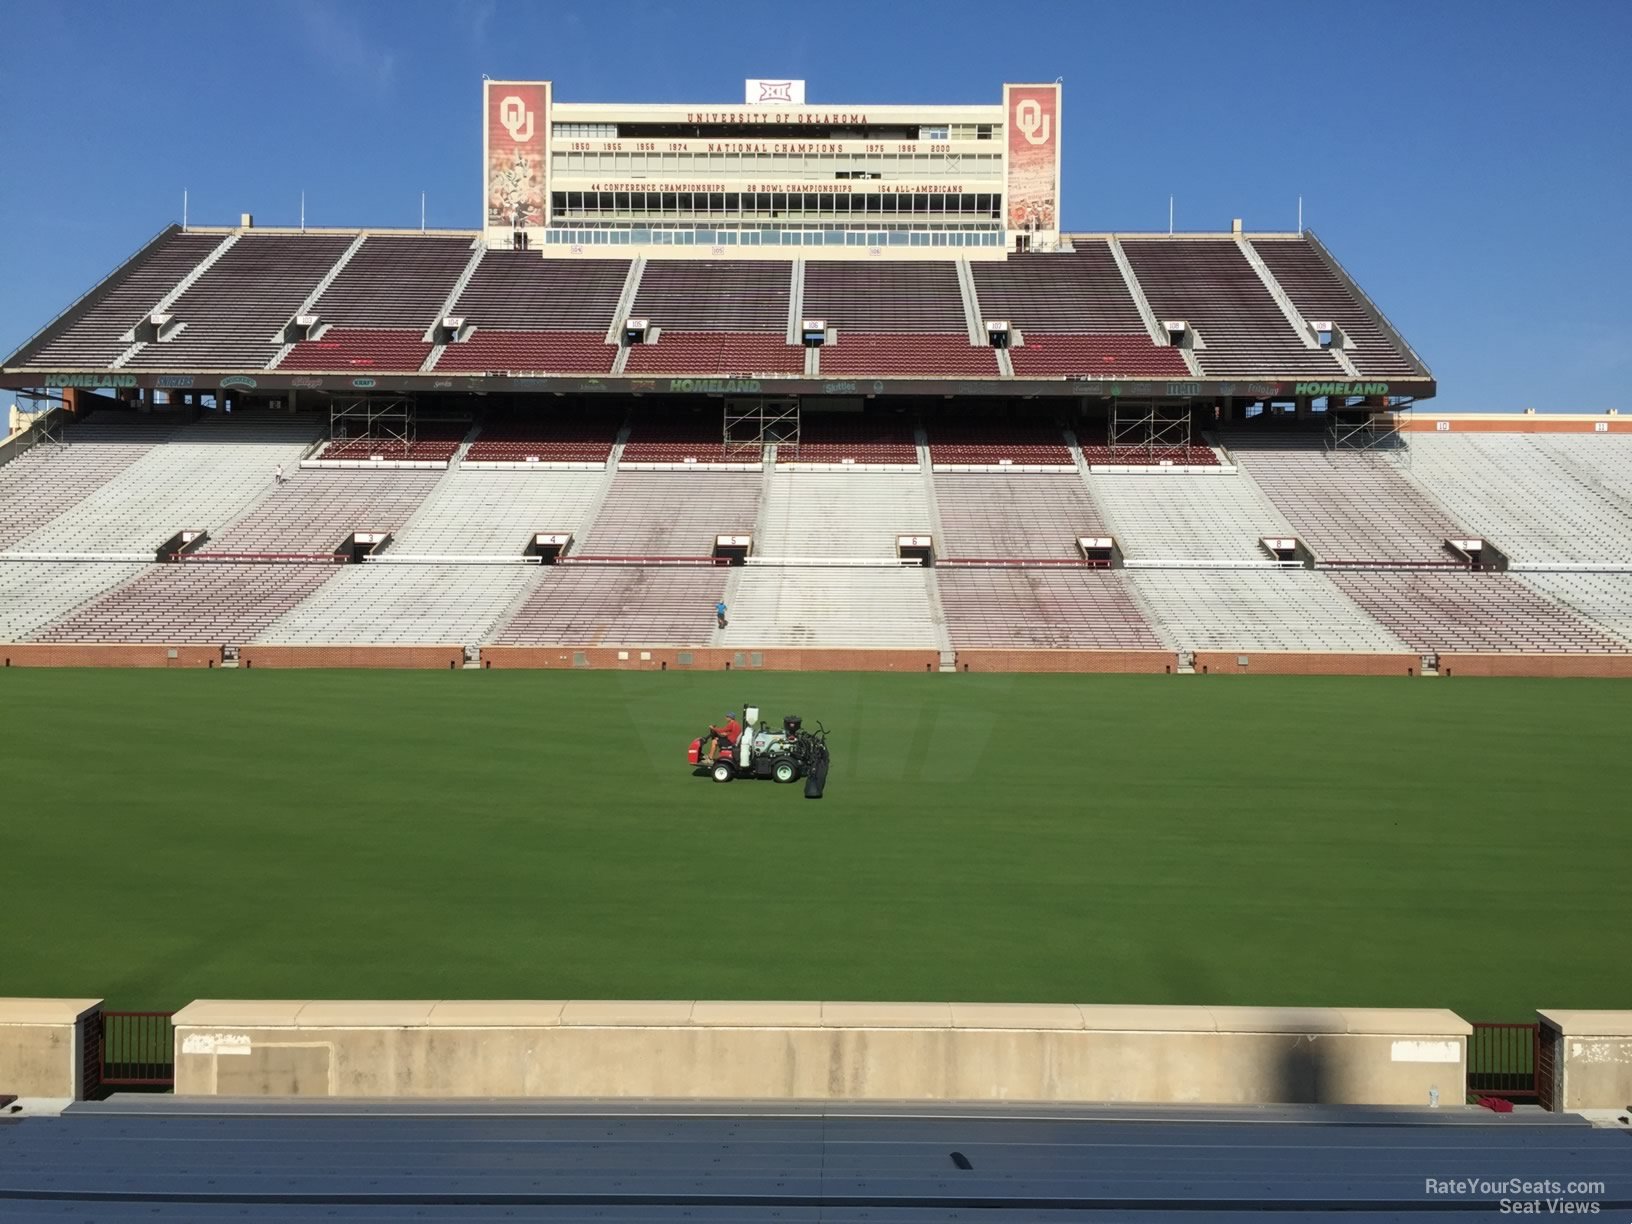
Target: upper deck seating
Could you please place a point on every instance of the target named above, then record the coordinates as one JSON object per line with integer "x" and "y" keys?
{"x": 518, "y": 291}
{"x": 884, "y": 297}
{"x": 708, "y": 295}
{"x": 232, "y": 315}
{"x": 1060, "y": 355}
{"x": 394, "y": 282}
{"x": 1075, "y": 292}
{"x": 927, "y": 354}
{"x": 1318, "y": 294}
{"x": 88, "y": 337}
{"x": 740, "y": 353}
{"x": 524, "y": 352}
{"x": 1209, "y": 284}
{"x": 345, "y": 348}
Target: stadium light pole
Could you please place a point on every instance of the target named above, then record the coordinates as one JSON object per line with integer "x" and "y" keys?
{"x": 184, "y": 208}
{"x": 1169, "y": 216}
{"x": 422, "y": 212}
{"x": 1300, "y": 214}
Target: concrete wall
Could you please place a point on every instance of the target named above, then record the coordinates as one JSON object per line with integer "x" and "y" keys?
{"x": 1304, "y": 663}
{"x": 1592, "y": 1058}
{"x": 42, "y": 1044}
{"x": 820, "y": 1051}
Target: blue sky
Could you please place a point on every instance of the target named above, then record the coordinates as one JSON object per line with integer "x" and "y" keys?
{"x": 1470, "y": 163}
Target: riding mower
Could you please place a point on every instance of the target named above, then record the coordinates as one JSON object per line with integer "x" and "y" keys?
{"x": 783, "y": 756}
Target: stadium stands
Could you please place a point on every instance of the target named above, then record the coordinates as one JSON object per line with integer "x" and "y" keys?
{"x": 975, "y": 439}
{"x": 1095, "y": 444}
{"x": 1091, "y": 355}
{"x": 517, "y": 291}
{"x": 780, "y": 605}
{"x": 228, "y": 602}
{"x": 588, "y": 605}
{"x": 1255, "y": 610}
{"x": 840, "y": 514}
{"x": 33, "y": 594}
{"x": 202, "y": 478}
{"x": 1209, "y": 284}
{"x": 48, "y": 480}
{"x": 673, "y": 514}
{"x": 352, "y": 348}
{"x": 1541, "y": 498}
{"x": 562, "y": 352}
{"x": 656, "y": 436}
{"x": 704, "y": 295}
{"x": 1042, "y": 609}
{"x": 1165, "y": 518}
{"x": 317, "y": 508}
{"x": 496, "y": 514}
{"x": 885, "y": 297}
{"x": 1350, "y": 507}
{"x": 1038, "y": 517}
{"x": 1318, "y": 294}
{"x": 580, "y": 436}
{"x": 717, "y": 352}
{"x": 826, "y": 437}
{"x": 1605, "y": 599}
{"x": 231, "y": 316}
{"x": 88, "y": 335}
{"x": 1435, "y": 611}
{"x": 394, "y": 282}
{"x": 926, "y": 354}
{"x": 404, "y": 605}
{"x": 433, "y": 441}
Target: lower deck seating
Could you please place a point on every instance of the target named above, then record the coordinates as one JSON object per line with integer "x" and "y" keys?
{"x": 225, "y": 603}
{"x": 1030, "y": 516}
{"x": 404, "y": 605}
{"x": 433, "y": 441}
{"x": 354, "y": 348}
{"x": 688, "y": 437}
{"x": 672, "y": 514}
{"x": 1181, "y": 518}
{"x": 497, "y": 513}
{"x": 929, "y": 354}
{"x": 974, "y": 441}
{"x": 580, "y": 436}
{"x": 1055, "y": 355}
{"x": 1256, "y": 610}
{"x": 590, "y": 605}
{"x": 728, "y": 353}
{"x": 776, "y": 605}
{"x": 847, "y": 438}
{"x": 1467, "y": 611}
{"x": 841, "y": 514}
{"x": 317, "y": 508}
{"x": 528, "y": 352}
{"x": 33, "y": 594}
{"x": 1042, "y": 609}
{"x": 1605, "y": 599}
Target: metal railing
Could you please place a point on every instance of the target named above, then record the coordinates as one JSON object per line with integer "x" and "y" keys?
{"x": 1502, "y": 1061}
{"x": 138, "y": 1050}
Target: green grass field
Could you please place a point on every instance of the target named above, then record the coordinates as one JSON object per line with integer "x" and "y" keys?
{"x": 173, "y": 835}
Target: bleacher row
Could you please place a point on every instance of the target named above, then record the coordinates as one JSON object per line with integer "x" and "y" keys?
{"x": 1196, "y": 576}
{"x": 379, "y": 297}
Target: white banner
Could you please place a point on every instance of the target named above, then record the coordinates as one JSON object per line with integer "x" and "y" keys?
{"x": 758, "y": 92}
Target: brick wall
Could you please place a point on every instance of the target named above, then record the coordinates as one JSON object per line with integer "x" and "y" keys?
{"x": 1535, "y": 665}
{"x": 665, "y": 658}
{"x": 1157, "y": 661}
{"x": 1304, "y": 663}
{"x": 52, "y": 654}
{"x": 442, "y": 657}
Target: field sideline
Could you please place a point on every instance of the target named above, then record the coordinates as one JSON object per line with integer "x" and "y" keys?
{"x": 173, "y": 835}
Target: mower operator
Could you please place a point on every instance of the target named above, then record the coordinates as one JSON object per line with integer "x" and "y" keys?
{"x": 721, "y": 737}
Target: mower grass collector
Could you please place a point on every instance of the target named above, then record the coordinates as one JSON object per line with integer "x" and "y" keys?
{"x": 758, "y": 752}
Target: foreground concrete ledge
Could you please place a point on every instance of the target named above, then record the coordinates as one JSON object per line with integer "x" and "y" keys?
{"x": 1574, "y": 1023}
{"x": 780, "y": 1014}
{"x": 46, "y": 1011}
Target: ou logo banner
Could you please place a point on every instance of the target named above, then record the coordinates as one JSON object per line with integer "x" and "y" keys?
{"x": 1030, "y": 121}
{"x": 516, "y": 119}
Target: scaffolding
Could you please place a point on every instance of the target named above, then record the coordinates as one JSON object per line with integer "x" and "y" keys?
{"x": 389, "y": 420}
{"x": 1148, "y": 432}
{"x": 40, "y": 419}
{"x": 1383, "y": 433}
{"x": 752, "y": 423}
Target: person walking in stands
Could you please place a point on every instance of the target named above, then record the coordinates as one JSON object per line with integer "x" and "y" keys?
{"x": 277, "y": 474}
{"x": 721, "y": 738}
{"x": 719, "y": 614}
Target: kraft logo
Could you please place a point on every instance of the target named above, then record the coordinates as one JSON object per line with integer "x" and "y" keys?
{"x": 238, "y": 380}
{"x": 1030, "y": 121}
{"x": 775, "y": 91}
{"x": 515, "y": 118}
{"x": 362, "y": 382}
